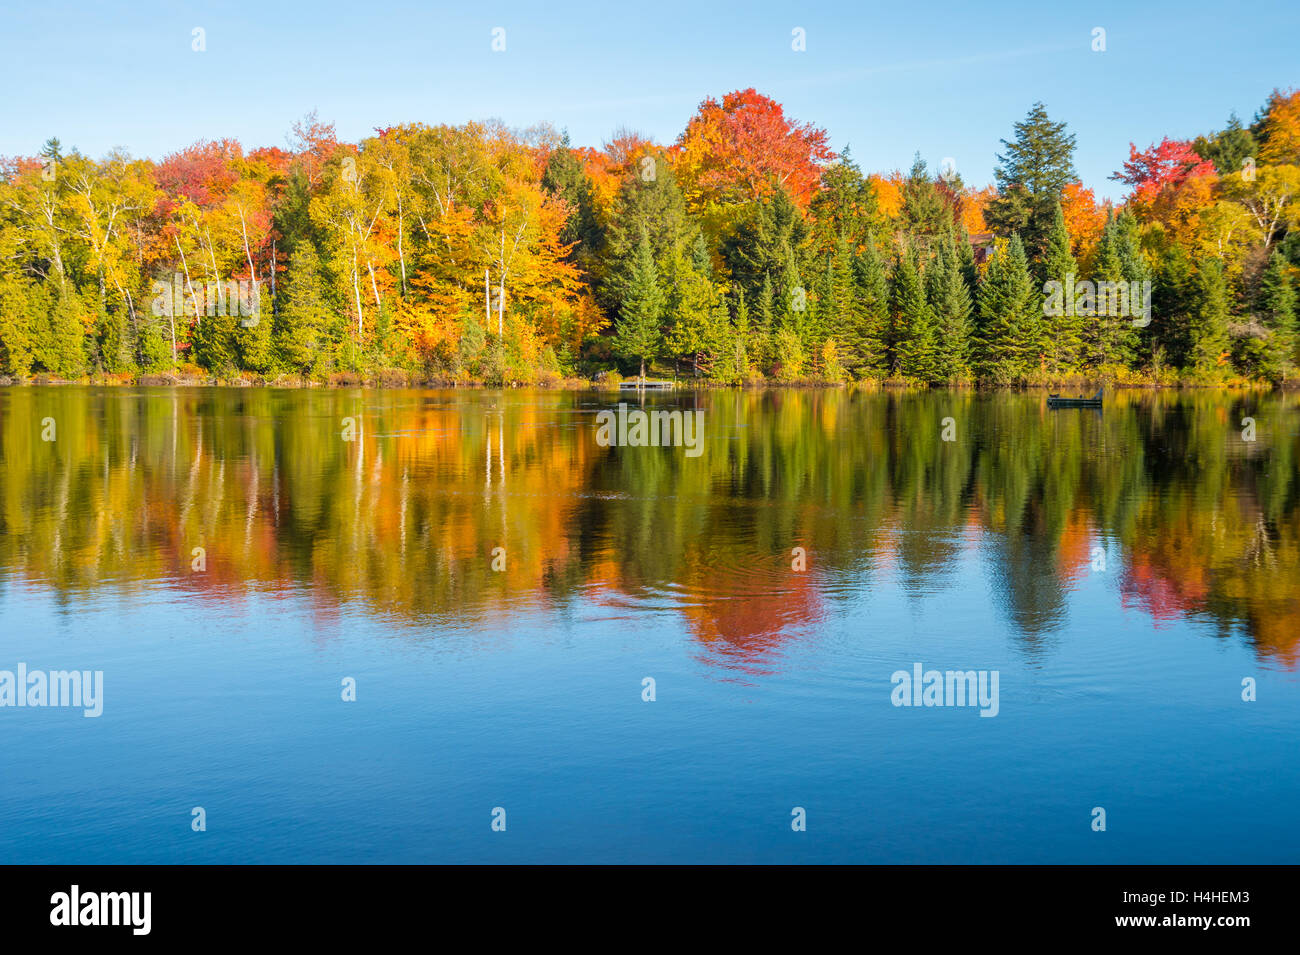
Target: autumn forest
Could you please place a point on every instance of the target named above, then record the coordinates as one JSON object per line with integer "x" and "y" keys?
{"x": 746, "y": 250}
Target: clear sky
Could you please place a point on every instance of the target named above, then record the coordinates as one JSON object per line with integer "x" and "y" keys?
{"x": 947, "y": 79}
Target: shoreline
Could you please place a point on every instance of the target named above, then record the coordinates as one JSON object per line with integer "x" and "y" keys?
{"x": 394, "y": 381}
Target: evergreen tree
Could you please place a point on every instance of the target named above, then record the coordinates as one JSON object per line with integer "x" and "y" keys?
{"x": 771, "y": 242}
{"x": 764, "y": 353}
{"x": 254, "y": 338}
{"x": 298, "y": 327}
{"x": 1109, "y": 335}
{"x": 791, "y": 298}
{"x": 1009, "y": 310}
{"x": 565, "y": 178}
{"x": 743, "y": 346}
{"x": 924, "y": 213}
{"x": 638, "y": 336}
{"x": 1036, "y": 167}
{"x": 1277, "y": 310}
{"x": 1209, "y": 329}
{"x": 844, "y": 207}
{"x": 723, "y": 346}
{"x": 651, "y": 207}
{"x": 1173, "y": 301}
{"x": 1062, "y": 334}
{"x": 913, "y": 331}
{"x": 17, "y": 321}
{"x": 867, "y": 334}
{"x": 58, "y": 342}
{"x": 1229, "y": 148}
{"x": 216, "y": 347}
{"x": 114, "y": 343}
{"x": 690, "y": 305}
{"x": 950, "y": 303}
{"x": 835, "y": 299}
{"x": 966, "y": 261}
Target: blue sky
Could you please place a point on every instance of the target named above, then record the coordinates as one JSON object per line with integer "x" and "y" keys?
{"x": 947, "y": 79}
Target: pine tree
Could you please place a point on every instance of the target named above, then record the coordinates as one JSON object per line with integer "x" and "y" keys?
{"x": 1062, "y": 334}
{"x": 923, "y": 209}
{"x": 649, "y": 207}
{"x": 844, "y": 207}
{"x": 637, "y": 336}
{"x": 1209, "y": 330}
{"x": 1137, "y": 273}
{"x": 298, "y": 331}
{"x": 215, "y": 344}
{"x": 1172, "y": 305}
{"x": 913, "y": 334}
{"x": 254, "y": 337}
{"x": 58, "y": 342}
{"x": 1036, "y": 167}
{"x": 1009, "y": 317}
{"x": 743, "y": 347}
{"x": 565, "y": 178}
{"x": 771, "y": 241}
{"x": 867, "y": 335}
{"x": 723, "y": 346}
{"x": 1108, "y": 333}
{"x": 950, "y": 302}
{"x": 765, "y": 350}
{"x": 1228, "y": 148}
{"x": 690, "y": 306}
{"x": 791, "y": 296}
{"x": 835, "y": 299}
{"x": 1277, "y": 310}
{"x": 966, "y": 261}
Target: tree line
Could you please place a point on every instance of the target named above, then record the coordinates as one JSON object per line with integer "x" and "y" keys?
{"x": 745, "y": 250}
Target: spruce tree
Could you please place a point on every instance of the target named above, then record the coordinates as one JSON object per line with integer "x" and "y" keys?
{"x": 1228, "y": 148}
{"x": 637, "y": 336}
{"x": 254, "y": 336}
{"x": 58, "y": 340}
{"x": 867, "y": 335}
{"x": 924, "y": 213}
{"x": 1036, "y": 166}
{"x": 1277, "y": 310}
{"x": 1009, "y": 312}
{"x": 1173, "y": 301}
{"x": 298, "y": 331}
{"x": 845, "y": 206}
{"x": 690, "y": 307}
{"x": 1062, "y": 341}
{"x": 1209, "y": 330}
{"x": 1108, "y": 332}
{"x": 950, "y": 302}
{"x": 565, "y": 178}
{"x": 215, "y": 346}
{"x": 914, "y": 346}
{"x": 652, "y": 207}
{"x": 836, "y": 302}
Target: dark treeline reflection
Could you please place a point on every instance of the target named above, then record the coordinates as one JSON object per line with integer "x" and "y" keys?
{"x": 1193, "y": 518}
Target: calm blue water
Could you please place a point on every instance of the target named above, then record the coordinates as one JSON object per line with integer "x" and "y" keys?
{"x": 772, "y": 686}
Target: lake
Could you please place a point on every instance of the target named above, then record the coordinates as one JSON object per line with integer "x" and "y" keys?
{"x": 463, "y": 626}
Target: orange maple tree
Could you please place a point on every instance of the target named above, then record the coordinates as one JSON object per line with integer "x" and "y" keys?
{"x": 745, "y": 148}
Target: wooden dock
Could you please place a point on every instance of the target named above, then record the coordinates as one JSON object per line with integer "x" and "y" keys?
{"x": 646, "y": 384}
